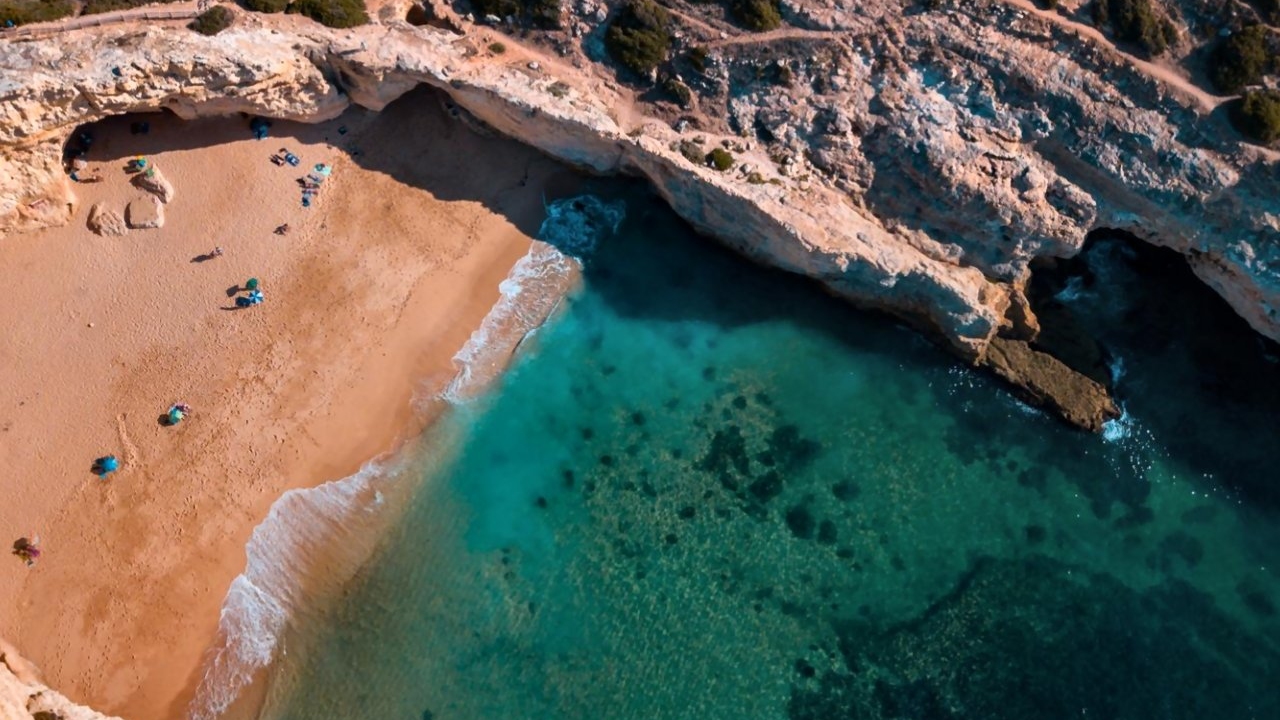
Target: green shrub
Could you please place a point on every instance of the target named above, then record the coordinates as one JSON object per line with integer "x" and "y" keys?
{"x": 720, "y": 159}
{"x": 212, "y": 21}
{"x": 678, "y": 90}
{"x": 22, "y": 12}
{"x": 543, "y": 13}
{"x": 95, "y": 7}
{"x": 497, "y": 48}
{"x": 1134, "y": 21}
{"x": 266, "y": 6}
{"x": 692, "y": 152}
{"x": 697, "y": 56}
{"x": 638, "y": 37}
{"x": 758, "y": 15}
{"x": 1047, "y": 4}
{"x": 1240, "y": 60}
{"x": 332, "y": 13}
{"x": 498, "y": 8}
{"x": 1258, "y": 115}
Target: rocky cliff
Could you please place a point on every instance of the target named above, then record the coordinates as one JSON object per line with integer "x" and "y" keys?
{"x": 24, "y": 697}
{"x": 913, "y": 161}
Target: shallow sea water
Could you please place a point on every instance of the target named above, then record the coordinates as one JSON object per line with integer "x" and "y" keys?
{"x": 707, "y": 490}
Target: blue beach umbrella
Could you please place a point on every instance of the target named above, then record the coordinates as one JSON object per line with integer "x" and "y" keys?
{"x": 104, "y": 466}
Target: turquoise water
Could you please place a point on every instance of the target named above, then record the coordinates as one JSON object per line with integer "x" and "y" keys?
{"x": 706, "y": 490}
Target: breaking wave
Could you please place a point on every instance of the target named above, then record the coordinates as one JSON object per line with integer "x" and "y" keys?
{"x": 533, "y": 289}
{"x": 312, "y": 541}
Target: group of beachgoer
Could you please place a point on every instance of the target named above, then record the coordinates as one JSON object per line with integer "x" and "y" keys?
{"x": 254, "y": 296}
{"x": 27, "y": 548}
{"x": 77, "y": 160}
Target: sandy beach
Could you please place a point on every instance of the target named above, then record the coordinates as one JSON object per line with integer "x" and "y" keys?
{"x": 368, "y": 297}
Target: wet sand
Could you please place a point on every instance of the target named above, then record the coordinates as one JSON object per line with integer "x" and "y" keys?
{"x": 368, "y": 297}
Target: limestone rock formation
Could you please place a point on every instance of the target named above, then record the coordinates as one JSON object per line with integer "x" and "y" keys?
{"x": 24, "y": 697}
{"x": 914, "y": 158}
{"x": 1044, "y": 382}
{"x": 105, "y": 221}
{"x": 154, "y": 182}
{"x": 145, "y": 212}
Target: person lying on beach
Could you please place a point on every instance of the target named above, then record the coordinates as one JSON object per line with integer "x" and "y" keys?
{"x": 27, "y": 550}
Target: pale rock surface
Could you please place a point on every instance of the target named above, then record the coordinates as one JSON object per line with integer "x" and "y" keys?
{"x": 145, "y": 212}
{"x": 24, "y": 697}
{"x": 154, "y": 182}
{"x": 105, "y": 221}
{"x": 924, "y": 158}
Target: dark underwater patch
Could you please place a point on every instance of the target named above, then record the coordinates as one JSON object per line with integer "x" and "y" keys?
{"x": 1042, "y": 639}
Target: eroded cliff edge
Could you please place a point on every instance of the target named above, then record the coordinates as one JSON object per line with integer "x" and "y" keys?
{"x": 24, "y": 697}
{"x": 916, "y": 163}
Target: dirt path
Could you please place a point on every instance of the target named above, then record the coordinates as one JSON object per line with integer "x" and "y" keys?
{"x": 741, "y": 37}
{"x": 1206, "y": 101}
{"x": 149, "y": 13}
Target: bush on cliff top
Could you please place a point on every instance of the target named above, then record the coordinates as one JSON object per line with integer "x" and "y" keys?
{"x": 638, "y": 37}
{"x": 23, "y": 12}
{"x": 95, "y": 7}
{"x": 212, "y": 21}
{"x": 1258, "y": 115}
{"x": 720, "y": 159}
{"x": 332, "y": 13}
{"x": 1240, "y": 60}
{"x": 758, "y": 15}
{"x": 1135, "y": 21}
{"x": 266, "y": 6}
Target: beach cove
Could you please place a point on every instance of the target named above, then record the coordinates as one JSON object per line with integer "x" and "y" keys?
{"x": 368, "y": 298}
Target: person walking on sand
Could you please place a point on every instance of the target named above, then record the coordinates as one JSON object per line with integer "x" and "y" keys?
{"x": 216, "y": 252}
{"x": 283, "y": 229}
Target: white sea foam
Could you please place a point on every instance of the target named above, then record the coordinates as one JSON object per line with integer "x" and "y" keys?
{"x": 311, "y": 542}
{"x": 533, "y": 289}
{"x": 314, "y": 540}
{"x": 1117, "y": 370}
{"x": 1118, "y": 429}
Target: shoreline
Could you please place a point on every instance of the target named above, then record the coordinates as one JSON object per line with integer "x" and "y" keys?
{"x": 263, "y": 611}
{"x": 360, "y": 316}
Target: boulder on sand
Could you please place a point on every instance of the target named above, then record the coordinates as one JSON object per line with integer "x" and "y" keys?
{"x": 145, "y": 212}
{"x": 154, "y": 182}
{"x": 106, "y": 221}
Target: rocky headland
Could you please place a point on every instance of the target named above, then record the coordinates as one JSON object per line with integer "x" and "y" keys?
{"x": 915, "y": 158}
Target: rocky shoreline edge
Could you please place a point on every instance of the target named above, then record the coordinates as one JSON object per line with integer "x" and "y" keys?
{"x": 972, "y": 299}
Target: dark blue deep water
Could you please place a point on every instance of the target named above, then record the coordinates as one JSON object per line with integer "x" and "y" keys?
{"x": 708, "y": 490}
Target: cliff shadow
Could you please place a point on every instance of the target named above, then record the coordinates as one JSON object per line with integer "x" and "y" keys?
{"x": 1180, "y": 359}
{"x": 421, "y": 140}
